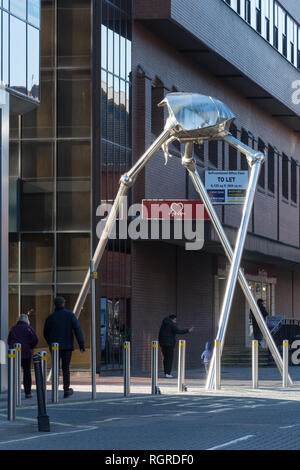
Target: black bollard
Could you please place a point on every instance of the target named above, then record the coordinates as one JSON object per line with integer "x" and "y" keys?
{"x": 43, "y": 418}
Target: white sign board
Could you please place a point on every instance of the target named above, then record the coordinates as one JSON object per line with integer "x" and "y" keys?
{"x": 226, "y": 187}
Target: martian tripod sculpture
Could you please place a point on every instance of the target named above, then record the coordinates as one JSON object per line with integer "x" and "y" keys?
{"x": 194, "y": 118}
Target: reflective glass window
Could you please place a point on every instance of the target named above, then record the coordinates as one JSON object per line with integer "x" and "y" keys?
{"x": 13, "y": 296}
{"x": 73, "y": 186}
{"x": 40, "y": 298}
{"x": 13, "y": 257}
{"x": 5, "y": 4}
{"x": 74, "y": 103}
{"x": 48, "y": 34}
{"x": 18, "y": 7}
{"x": 73, "y": 255}
{"x": 5, "y": 67}
{"x": 37, "y": 160}
{"x": 33, "y": 12}
{"x": 17, "y": 55}
{"x": 33, "y": 62}
{"x": 73, "y": 33}
{"x": 37, "y": 259}
{"x": 40, "y": 121}
{"x": 37, "y": 212}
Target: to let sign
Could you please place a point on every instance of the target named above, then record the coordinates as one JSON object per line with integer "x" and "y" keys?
{"x": 226, "y": 187}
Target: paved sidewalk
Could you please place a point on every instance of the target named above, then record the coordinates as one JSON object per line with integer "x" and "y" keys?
{"x": 236, "y": 381}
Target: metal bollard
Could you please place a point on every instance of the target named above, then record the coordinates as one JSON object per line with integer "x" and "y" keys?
{"x": 285, "y": 358}
{"x": 218, "y": 365}
{"x": 43, "y": 418}
{"x": 93, "y": 276}
{"x": 43, "y": 355}
{"x": 255, "y": 363}
{"x": 55, "y": 371}
{"x": 11, "y": 411}
{"x": 181, "y": 366}
{"x": 126, "y": 366}
{"x": 17, "y": 347}
{"x": 154, "y": 369}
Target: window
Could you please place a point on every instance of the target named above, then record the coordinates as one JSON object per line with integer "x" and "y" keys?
{"x": 232, "y": 150}
{"x": 73, "y": 255}
{"x": 261, "y": 148}
{"x": 37, "y": 258}
{"x": 271, "y": 168}
{"x": 73, "y": 103}
{"x": 199, "y": 152}
{"x": 238, "y": 6}
{"x": 284, "y": 32}
{"x": 33, "y": 12}
{"x": 33, "y": 62}
{"x": 213, "y": 152}
{"x": 258, "y": 16}
{"x": 248, "y": 11}
{"x": 18, "y": 8}
{"x": 18, "y": 55}
{"x": 275, "y": 26}
{"x": 267, "y": 19}
{"x": 285, "y": 176}
{"x": 294, "y": 171}
{"x": 157, "y": 113}
{"x": 245, "y": 140}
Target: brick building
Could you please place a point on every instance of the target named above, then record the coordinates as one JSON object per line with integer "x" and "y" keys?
{"x": 105, "y": 67}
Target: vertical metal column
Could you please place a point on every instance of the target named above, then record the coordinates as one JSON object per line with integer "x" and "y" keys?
{"x": 285, "y": 354}
{"x": 17, "y": 347}
{"x": 218, "y": 365}
{"x": 181, "y": 366}
{"x": 43, "y": 355}
{"x": 154, "y": 369}
{"x": 126, "y": 367}
{"x": 11, "y": 403}
{"x": 55, "y": 371}
{"x": 93, "y": 276}
{"x": 255, "y": 363}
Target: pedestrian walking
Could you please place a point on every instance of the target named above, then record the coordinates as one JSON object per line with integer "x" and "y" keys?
{"x": 206, "y": 355}
{"x": 60, "y": 328}
{"x": 256, "y": 330}
{"x": 24, "y": 334}
{"x": 167, "y": 339}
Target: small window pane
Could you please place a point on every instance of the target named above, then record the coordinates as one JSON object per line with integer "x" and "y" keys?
{"x": 34, "y": 12}
{"x": 37, "y": 258}
{"x": 33, "y": 62}
{"x": 73, "y": 257}
{"x": 18, "y": 55}
{"x": 5, "y": 69}
{"x": 18, "y": 7}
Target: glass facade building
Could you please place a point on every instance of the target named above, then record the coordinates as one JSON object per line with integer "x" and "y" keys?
{"x": 67, "y": 156}
{"x": 20, "y": 51}
{"x": 274, "y": 23}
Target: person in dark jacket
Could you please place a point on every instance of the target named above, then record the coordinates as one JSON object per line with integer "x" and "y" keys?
{"x": 167, "y": 339}
{"x": 256, "y": 330}
{"x": 60, "y": 328}
{"x": 25, "y": 335}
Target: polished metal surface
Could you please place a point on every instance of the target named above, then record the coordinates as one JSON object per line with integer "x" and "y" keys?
{"x": 43, "y": 355}
{"x": 235, "y": 263}
{"x": 55, "y": 371}
{"x": 181, "y": 366}
{"x": 194, "y": 118}
{"x": 154, "y": 368}
{"x": 93, "y": 275}
{"x": 254, "y": 364}
{"x": 12, "y": 398}
{"x": 217, "y": 383}
{"x": 126, "y": 368}
{"x": 17, "y": 347}
{"x": 285, "y": 354}
{"x": 190, "y": 165}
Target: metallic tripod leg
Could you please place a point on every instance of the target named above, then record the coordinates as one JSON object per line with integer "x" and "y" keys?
{"x": 190, "y": 165}
{"x": 126, "y": 182}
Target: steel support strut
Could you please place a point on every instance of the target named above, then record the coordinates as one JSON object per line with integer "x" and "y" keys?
{"x": 234, "y": 258}
{"x": 126, "y": 182}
